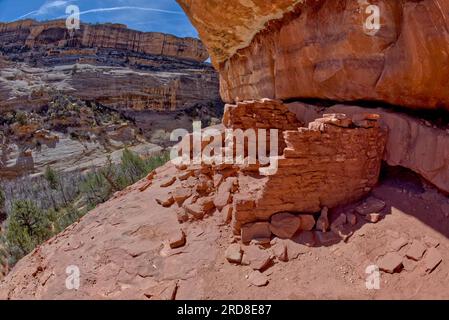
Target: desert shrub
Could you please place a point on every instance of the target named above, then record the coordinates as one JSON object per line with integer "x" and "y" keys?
{"x": 95, "y": 188}
{"x": 21, "y": 118}
{"x": 100, "y": 184}
{"x": 52, "y": 178}
{"x": 64, "y": 217}
{"x": 2, "y": 205}
{"x": 55, "y": 184}
{"x": 28, "y": 224}
{"x": 26, "y": 227}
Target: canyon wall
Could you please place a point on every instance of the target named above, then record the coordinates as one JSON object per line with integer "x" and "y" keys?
{"x": 321, "y": 50}
{"x": 52, "y": 35}
{"x": 109, "y": 64}
{"x": 152, "y": 82}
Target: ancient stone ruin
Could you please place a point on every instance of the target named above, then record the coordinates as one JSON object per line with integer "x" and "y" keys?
{"x": 334, "y": 161}
{"x": 339, "y": 166}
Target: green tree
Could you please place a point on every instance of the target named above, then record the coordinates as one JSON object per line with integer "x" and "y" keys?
{"x": 52, "y": 178}
{"x": 2, "y": 205}
{"x": 27, "y": 226}
{"x": 54, "y": 181}
{"x": 21, "y": 118}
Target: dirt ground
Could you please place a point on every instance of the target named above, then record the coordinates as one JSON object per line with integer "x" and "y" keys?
{"x": 121, "y": 251}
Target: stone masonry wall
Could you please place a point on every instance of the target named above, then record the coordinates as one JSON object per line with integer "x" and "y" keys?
{"x": 334, "y": 161}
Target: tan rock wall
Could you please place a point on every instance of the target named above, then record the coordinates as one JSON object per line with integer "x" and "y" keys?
{"x": 54, "y": 34}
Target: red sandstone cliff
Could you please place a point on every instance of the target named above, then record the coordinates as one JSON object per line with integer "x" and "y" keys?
{"x": 289, "y": 49}
{"x": 320, "y": 50}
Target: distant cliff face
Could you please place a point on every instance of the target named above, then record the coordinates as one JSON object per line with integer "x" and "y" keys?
{"x": 153, "y": 82}
{"x": 108, "y": 64}
{"x": 30, "y": 34}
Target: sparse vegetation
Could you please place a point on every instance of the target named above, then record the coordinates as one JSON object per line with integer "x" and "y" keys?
{"x": 31, "y": 222}
{"x": 27, "y": 226}
{"x": 101, "y": 184}
{"x": 21, "y": 118}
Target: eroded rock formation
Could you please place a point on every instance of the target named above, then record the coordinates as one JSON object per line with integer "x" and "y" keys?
{"x": 159, "y": 82}
{"x": 109, "y": 64}
{"x": 52, "y": 36}
{"x": 319, "y": 49}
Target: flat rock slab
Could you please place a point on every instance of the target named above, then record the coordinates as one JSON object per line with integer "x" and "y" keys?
{"x": 306, "y": 238}
{"x": 234, "y": 253}
{"x": 279, "y": 250}
{"x": 327, "y": 238}
{"x": 398, "y": 244}
{"x": 258, "y": 258}
{"x": 178, "y": 239}
{"x": 431, "y": 242}
{"x": 416, "y": 251}
{"x": 391, "y": 262}
{"x": 432, "y": 259}
{"x": 258, "y": 279}
{"x": 256, "y": 230}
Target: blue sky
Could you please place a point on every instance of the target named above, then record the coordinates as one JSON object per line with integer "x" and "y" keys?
{"x": 145, "y": 15}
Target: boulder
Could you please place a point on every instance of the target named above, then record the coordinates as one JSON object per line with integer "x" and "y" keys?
{"x": 432, "y": 259}
{"x": 323, "y": 221}
{"x": 416, "y": 250}
{"x": 258, "y": 279}
{"x": 259, "y": 259}
{"x": 178, "y": 239}
{"x": 234, "y": 253}
{"x": 256, "y": 230}
{"x": 284, "y": 225}
{"x": 307, "y": 222}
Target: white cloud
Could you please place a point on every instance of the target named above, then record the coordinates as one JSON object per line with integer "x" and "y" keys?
{"x": 46, "y": 7}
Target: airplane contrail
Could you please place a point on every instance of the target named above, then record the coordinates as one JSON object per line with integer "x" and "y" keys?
{"x": 37, "y": 12}
{"x": 127, "y": 8}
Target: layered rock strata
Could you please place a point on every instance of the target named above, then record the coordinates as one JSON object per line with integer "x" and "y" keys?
{"x": 320, "y": 49}
{"x": 109, "y": 64}
{"x": 52, "y": 36}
